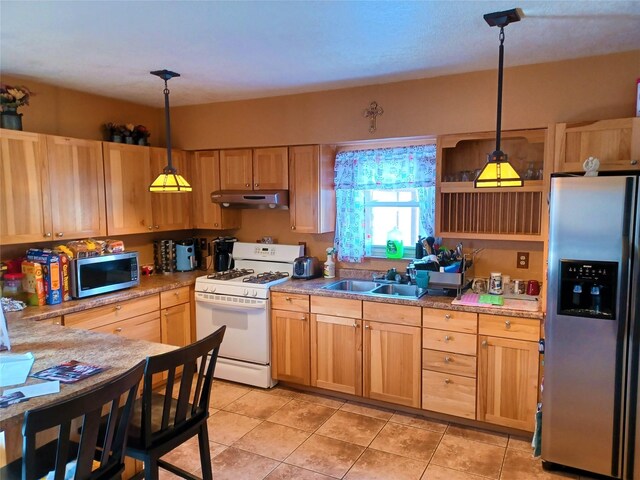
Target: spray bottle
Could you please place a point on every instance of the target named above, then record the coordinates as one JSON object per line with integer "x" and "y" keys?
{"x": 329, "y": 270}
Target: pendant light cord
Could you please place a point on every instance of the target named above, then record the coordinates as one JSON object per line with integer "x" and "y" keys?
{"x": 500, "y": 69}
{"x": 167, "y": 121}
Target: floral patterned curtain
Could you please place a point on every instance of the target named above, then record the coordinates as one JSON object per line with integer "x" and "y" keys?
{"x": 379, "y": 169}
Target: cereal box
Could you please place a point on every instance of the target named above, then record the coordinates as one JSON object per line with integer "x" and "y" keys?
{"x": 33, "y": 283}
{"x": 52, "y": 273}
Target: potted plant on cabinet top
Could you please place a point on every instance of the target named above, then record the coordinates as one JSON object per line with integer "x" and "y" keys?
{"x": 12, "y": 97}
{"x": 141, "y": 135}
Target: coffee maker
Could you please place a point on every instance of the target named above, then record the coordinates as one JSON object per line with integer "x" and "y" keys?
{"x": 222, "y": 253}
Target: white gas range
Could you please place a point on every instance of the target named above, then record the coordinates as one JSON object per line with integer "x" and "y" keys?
{"x": 239, "y": 299}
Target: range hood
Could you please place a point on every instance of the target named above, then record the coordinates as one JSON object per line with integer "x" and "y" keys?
{"x": 258, "y": 199}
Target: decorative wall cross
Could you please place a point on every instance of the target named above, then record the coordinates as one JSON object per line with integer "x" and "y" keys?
{"x": 372, "y": 112}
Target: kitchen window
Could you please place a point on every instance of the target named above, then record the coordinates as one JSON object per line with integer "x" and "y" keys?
{"x": 379, "y": 189}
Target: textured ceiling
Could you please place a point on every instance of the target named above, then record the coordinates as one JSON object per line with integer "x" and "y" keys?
{"x": 230, "y": 50}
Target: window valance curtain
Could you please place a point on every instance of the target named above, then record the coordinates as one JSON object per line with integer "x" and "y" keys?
{"x": 380, "y": 169}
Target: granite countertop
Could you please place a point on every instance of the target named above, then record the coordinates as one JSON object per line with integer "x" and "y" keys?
{"x": 148, "y": 285}
{"x": 53, "y": 344}
{"x": 314, "y": 287}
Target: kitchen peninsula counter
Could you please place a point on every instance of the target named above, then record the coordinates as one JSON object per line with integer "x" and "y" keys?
{"x": 148, "y": 286}
{"x": 314, "y": 287}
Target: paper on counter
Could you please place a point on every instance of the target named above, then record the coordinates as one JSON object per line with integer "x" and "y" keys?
{"x": 14, "y": 368}
{"x": 36, "y": 390}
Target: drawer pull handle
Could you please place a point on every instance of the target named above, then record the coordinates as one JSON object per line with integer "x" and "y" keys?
{"x": 304, "y": 318}
{"x": 247, "y": 184}
{"x": 447, "y": 381}
{"x": 118, "y": 307}
{"x": 355, "y": 325}
{"x": 367, "y": 327}
{"x": 293, "y": 227}
{"x": 448, "y": 359}
{"x": 507, "y": 324}
{"x": 176, "y": 294}
{"x": 60, "y": 234}
{"x": 288, "y": 299}
{"x": 447, "y": 338}
{"x": 119, "y": 329}
{"x": 47, "y": 235}
{"x": 447, "y": 317}
{"x": 257, "y": 185}
{"x": 634, "y": 162}
{"x": 484, "y": 343}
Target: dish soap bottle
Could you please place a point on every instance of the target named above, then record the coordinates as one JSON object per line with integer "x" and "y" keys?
{"x": 395, "y": 247}
{"x": 329, "y": 270}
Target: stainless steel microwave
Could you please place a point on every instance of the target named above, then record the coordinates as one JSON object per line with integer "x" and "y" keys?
{"x": 103, "y": 274}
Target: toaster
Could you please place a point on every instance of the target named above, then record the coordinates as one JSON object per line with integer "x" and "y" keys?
{"x": 307, "y": 267}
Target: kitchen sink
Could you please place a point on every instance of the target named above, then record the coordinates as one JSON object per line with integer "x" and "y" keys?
{"x": 362, "y": 286}
{"x": 398, "y": 290}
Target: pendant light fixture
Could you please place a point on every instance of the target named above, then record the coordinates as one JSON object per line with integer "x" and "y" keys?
{"x": 169, "y": 181}
{"x": 498, "y": 172}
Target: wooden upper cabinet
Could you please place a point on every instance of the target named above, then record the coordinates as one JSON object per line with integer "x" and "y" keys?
{"x": 236, "y": 169}
{"x": 170, "y": 211}
{"x": 76, "y": 178}
{"x": 205, "y": 178}
{"x": 25, "y": 215}
{"x": 514, "y": 213}
{"x": 312, "y": 197}
{"x": 616, "y": 143}
{"x": 254, "y": 169}
{"x": 270, "y": 169}
{"x": 127, "y": 177}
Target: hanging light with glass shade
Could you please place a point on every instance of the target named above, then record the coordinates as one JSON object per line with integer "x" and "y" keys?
{"x": 169, "y": 181}
{"x": 498, "y": 172}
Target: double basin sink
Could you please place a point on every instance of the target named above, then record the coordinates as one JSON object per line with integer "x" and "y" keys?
{"x": 364, "y": 287}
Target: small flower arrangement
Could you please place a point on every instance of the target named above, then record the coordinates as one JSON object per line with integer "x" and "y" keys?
{"x": 127, "y": 133}
{"x": 140, "y": 132}
{"x": 13, "y": 96}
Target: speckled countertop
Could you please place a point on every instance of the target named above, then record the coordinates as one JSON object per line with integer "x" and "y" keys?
{"x": 53, "y": 344}
{"x": 148, "y": 285}
{"x": 314, "y": 287}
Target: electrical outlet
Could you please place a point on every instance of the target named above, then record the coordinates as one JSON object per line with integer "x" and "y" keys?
{"x": 523, "y": 260}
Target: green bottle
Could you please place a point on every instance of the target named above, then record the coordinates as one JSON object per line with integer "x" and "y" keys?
{"x": 395, "y": 248}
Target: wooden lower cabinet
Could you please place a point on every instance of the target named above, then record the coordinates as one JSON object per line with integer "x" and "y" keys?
{"x": 290, "y": 345}
{"x": 392, "y": 363}
{"x": 507, "y": 382}
{"x": 336, "y": 353}
{"x": 175, "y": 316}
{"x": 450, "y": 394}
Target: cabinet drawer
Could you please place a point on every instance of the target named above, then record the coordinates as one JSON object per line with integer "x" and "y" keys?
{"x": 292, "y": 302}
{"x": 340, "y": 307}
{"x": 392, "y": 313}
{"x": 510, "y": 327}
{"x": 142, "y": 327}
{"x": 447, "y": 341}
{"x": 447, "y": 362}
{"x": 450, "y": 394}
{"x": 465, "y": 322}
{"x": 174, "y": 297}
{"x": 96, "y": 317}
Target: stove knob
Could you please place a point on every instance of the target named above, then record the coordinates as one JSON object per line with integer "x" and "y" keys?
{"x": 246, "y": 293}
{"x": 205, "y": 289}
{"x": 255, "y": 293}
{"x": 213, "y": 289}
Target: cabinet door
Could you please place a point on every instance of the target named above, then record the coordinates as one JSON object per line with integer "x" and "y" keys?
{"x": 392, "y": 363}
{"x": 270, "y": 168}
{"x": 76, "y": 177}
{"x": 170, "y": 211}
{"x": 206, "y": 179}
{"x": 175, "y": 325}
{"x": 616, "y": 143}
{"x": 25, "y": 215}
{"x": 312, "y": 201}
{"x": 290, "y": 346}
{"x": 336, "y": 353}
{"x": 236, "y": 169}
{"x": 127, "y": 177}
{"x": 507, "y": 382}
{"x": 142, "y": 327}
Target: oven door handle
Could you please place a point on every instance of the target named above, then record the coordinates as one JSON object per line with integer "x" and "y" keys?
{"x": 233, "y": 306}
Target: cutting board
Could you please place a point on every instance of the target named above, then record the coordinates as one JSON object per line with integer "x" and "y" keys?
{"x": 531, "y": 304}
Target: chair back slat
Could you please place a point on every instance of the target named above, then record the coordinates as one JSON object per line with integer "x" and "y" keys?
{"x": 86, "y": 407}
{"x": 176, "y": 413}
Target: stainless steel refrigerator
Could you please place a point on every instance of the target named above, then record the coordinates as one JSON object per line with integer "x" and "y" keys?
{"x": 590, "y": 414}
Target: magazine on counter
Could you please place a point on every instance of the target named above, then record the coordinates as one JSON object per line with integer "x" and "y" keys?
{"x": 69, "y": 372}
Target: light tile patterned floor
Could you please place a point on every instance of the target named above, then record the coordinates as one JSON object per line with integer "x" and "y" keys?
{"x": 282, "y": 434}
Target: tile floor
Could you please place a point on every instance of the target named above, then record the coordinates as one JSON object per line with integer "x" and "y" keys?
{"x": 282, "y": 434}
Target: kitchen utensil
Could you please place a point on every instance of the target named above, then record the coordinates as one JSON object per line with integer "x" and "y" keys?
{"x": 533, "y": 287}
{"x": 519, "y": 287}
{"x": 495, "y": 283}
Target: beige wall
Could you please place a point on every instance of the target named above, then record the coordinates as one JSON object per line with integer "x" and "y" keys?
{"x": 534, "y": 96}
{"x": 59, "y": 111}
